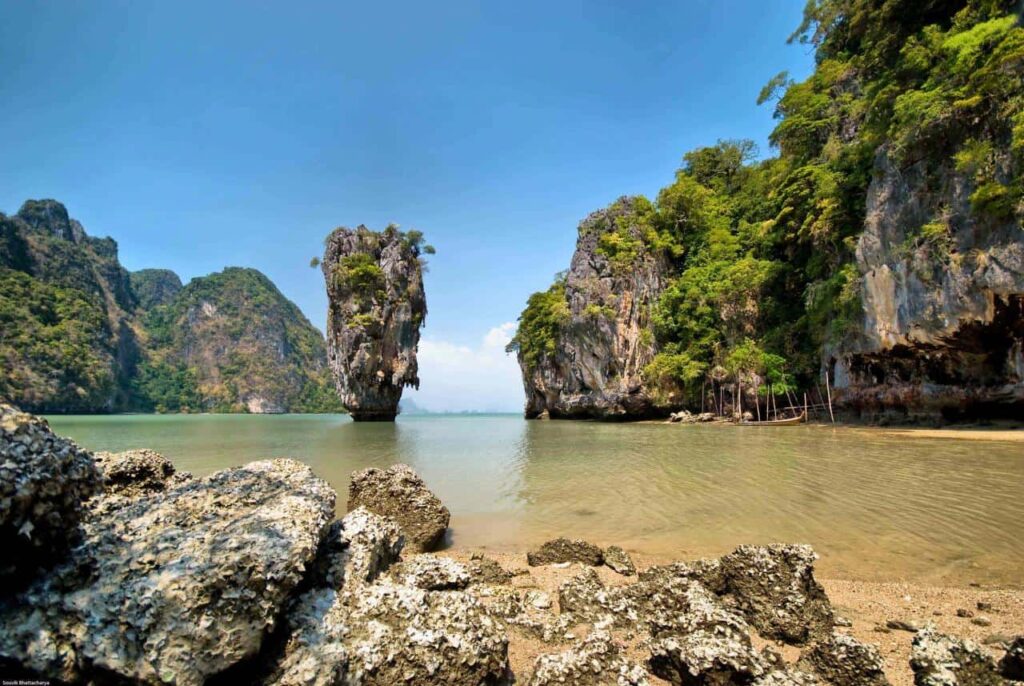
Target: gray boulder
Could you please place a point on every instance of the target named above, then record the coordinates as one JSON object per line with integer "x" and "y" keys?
{"x": 564, "y": 550}
{"x": 941, "y": 660}
{"x": 356, "y": 550}
{"x": 595, "y": 661}
{"x": 175, "y": 587}
{"x": 44, "y": 481}
{"x": 775, "y": 588}
{"x": 399, "y": 493}
{"x": 484, "y": 570}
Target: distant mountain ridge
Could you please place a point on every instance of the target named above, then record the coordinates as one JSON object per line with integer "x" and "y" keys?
{"x": 79, "y": 333}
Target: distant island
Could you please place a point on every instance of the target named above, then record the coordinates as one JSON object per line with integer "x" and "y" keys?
{"x": 81, "y": 334}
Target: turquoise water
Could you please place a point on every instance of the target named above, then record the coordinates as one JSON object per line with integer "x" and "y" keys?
{"x": 874, "y": 504}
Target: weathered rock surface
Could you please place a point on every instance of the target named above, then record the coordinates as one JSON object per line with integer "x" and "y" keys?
{"x": 595, "y": 661}
{"x": 135, "y": 472}
{"x": 618, "y": 560}
{"x": 44, "y": 481}
{"x": 565, "y": 550}
{"x": 940, "y": 660}
{"x": 597, "y": 364}
{"x": 1011, "y": 665}
{"x": 177, "y": 586}
{"x": 774, "y": 587}
{"x": 842, "y": 659}
{"x": 399, "y": 493}
{"x": 943, "y": 325}
{"x": 431, "y": 573}
{"x": 705, "y": 644}
{"x": 376, "y": 308}
{"x": 357, "y": 550}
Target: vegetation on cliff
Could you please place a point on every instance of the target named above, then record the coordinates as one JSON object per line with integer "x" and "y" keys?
{"x": 79, "y": 333}
{"x": 230, "y": 342}
{"x": 763, "y": 273}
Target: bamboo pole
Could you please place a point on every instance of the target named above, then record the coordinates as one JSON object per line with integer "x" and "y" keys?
{"x": 829, "y": 391}
{"x": 757, "y": 400}
{"x": 806, "y": 416}
{"x": 703, "y": 393}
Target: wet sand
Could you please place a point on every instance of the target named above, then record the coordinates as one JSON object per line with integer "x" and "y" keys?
{"x": 867, "y": 605}
{"x": 1011, "y": 435}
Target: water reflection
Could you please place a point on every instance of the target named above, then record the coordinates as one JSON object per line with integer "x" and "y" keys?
{"x": 876, "y": 506}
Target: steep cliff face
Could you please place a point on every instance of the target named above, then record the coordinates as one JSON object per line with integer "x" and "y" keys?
{"x": 376, "y": 308}
{"x": 67, "y": 342}
{"x": 231, "y": 342}
{"x": 943, "y": 300}
{"x": 600, "y": 325}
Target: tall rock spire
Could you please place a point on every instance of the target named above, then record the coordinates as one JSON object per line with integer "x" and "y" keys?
{"x": 375, "y": 311}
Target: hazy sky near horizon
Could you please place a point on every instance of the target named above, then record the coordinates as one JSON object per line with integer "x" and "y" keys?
{"x": 207, "y": 134}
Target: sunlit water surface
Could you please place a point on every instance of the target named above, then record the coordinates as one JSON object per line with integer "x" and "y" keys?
{"x": 875, "y": 505}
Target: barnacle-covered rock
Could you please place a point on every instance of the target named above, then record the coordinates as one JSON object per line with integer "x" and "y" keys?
{"x": 431, "y": 573}
{"x": 842, "y": 659}
{"x": 565, "y": 550}
{"x": 398, "y": 492}
{"x": 775, "y": 588}
{"x": 136, "y": 472}
{"x": 941, "y": 660}
{"x": 175, "y": 587}
{"x": 617, "y": 559}
{"x": 595, "y": 661}
{"x": 44, "y": 481}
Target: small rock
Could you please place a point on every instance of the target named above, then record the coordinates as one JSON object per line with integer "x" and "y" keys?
{"x": 619, "y": 561}
{"x": 983, "y": 606}
{"x": 964, "y": 612}
{"x": 563, "y": 550}
{"x": 484, "y": 570}
{"x": 981, "y": 621}
{"x": 936, "y": 613}
{"x": 900, "y": 625}
{"x": 997, "y": 640}
{"x": 539, "y": 600}
{"x": 879, "y": 628}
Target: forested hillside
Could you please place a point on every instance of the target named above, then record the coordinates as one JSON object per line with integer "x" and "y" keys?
{"x": 882, "y": 245}
{"x": 79, "y": 333}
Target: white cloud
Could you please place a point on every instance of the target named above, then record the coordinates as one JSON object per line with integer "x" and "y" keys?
{"x": 459, "y": 377}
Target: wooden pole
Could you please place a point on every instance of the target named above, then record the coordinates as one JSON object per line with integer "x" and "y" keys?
{"x": 806, "y": 416}
{"x": 703, "y": 393}
{"x": 829, "y": 391}
{"x": 739, "y": 396}
{"x": 757, "y": 400}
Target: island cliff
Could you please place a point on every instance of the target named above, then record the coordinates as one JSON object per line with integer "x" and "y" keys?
{"x": 880, "y": 252}
{"x": 376, "y": 308}
{"x": 601, "y": 338}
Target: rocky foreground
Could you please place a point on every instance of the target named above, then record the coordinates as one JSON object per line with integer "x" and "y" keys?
{"x": 133, "y": 573}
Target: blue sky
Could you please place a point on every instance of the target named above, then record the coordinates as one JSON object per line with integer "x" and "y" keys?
{"x": 202, "y": 135}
